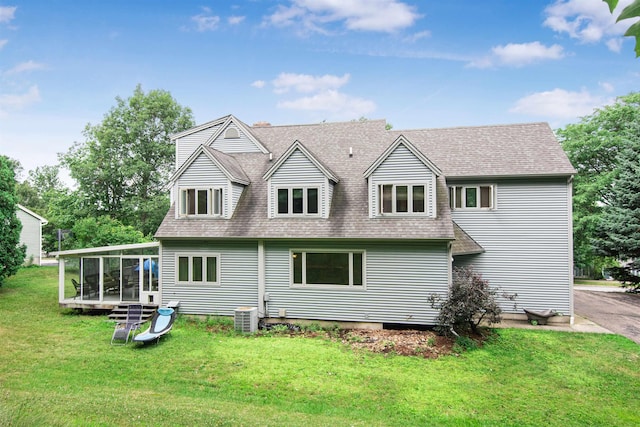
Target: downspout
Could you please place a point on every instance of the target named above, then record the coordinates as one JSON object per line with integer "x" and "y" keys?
{"x": 261, "y": 279}
{"x": 570, "y": 244}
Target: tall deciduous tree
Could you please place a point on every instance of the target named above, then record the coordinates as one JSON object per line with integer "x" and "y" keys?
{"x": 125, "y": 161}
{"x": 593, "y": 146}
{"x": 11, "y": 252}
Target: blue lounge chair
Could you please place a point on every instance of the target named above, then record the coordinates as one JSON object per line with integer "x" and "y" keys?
{"x": 123, "y": 331}
{"x": 161, "y": 323}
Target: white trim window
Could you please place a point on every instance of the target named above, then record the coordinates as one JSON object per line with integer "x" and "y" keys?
{"x": 198, "y": 269}
{"x": 298, "y": 201}
{"x": 402, "y": 198}
{"x": 201, "y": 202}
{"x": 472, "y": 197}
{"x": 326, "y": 268}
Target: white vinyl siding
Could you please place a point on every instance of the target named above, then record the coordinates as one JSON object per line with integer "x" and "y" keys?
{"x": 402, "y": 168}
{"x": 298, "y": 172}
{"x": 186, "y": 145}
{"x": 237, "y": 284}
{"x": 31, "y": 236}
{"x": 228, "y": 143}
{"x": 399, "y": 278}
{"x": 526, "y": 241}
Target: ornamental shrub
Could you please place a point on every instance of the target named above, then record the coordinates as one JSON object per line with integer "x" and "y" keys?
{"x": 470, "y": 301}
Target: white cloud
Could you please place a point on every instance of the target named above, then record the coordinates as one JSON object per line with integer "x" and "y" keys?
{"x": 518, "y": 55}
{"x": 418, "y": 36}
{"x": 235, "y": 20}
{"x": 361, "y": 15}
{"x": 7, "y": 14}
{"x": 259, "y": 84}
{"x": 333, "y": 102}
{"x": 588, "y": 21}
{"x": 3, "y": 42}
{"x": 305, "y": 83}
{"x": 24, "y": 67}
{"x": 558, "y": 104}
{"x": 607, "y": 87}
{"x": 206, "y": 21}
{"x": 10, "y": 102}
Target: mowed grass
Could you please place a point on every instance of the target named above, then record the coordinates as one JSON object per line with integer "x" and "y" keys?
{"x": 58, "y": 368}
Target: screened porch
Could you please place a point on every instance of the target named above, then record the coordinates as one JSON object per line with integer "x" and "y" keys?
{"x": 107, "y": 276}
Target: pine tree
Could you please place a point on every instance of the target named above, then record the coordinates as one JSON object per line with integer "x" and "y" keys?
{"x": 619, "y": 233}
{"x": 11, "y": 252}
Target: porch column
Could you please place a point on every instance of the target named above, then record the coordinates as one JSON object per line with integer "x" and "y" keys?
{"x": 60, "y": 279}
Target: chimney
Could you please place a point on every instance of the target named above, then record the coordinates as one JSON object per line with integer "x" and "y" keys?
{"x": 261, "y": 125}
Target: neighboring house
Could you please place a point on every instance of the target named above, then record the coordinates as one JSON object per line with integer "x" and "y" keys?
{"x": 353, "y": 222}
{"x": 31, "y": 234}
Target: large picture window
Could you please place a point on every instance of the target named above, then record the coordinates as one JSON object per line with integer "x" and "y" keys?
{"x": 198, "y": 269}
{"x": 201, "y": 201}
{"x": 471, "y": 197}
{"x": 298, "y": 201}
{"x": 402, "y": 198}
{"x": 317, "y": 268}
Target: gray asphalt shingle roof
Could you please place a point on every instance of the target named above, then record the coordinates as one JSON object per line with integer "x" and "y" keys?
{"x": 492, "y": 151}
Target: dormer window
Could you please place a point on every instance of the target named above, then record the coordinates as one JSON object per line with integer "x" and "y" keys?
{"x": 298, "y": 201}
{"x": 201, "y": 202}
{"x": 402, "y": 198}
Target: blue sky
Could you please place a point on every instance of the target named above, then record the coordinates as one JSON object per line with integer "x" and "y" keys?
{"x": 418, "y": 64}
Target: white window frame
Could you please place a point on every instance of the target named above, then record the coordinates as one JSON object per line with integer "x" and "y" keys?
{"x": 409, "y": 186}
{"x": 204, "y": 257}
{"x": 213, "y": 194}
{"x": 351, "y": 286}
{"x": 453, "y": 197}
{"x": 305, "y": 200}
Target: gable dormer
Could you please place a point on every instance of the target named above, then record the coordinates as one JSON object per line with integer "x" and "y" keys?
{"x": 402, "y": 182}
{"x": 208, "y": 185}
{"x": 299, "y": 185}
{"x": 233, "y": 136}
{"x": 227, "y": 134}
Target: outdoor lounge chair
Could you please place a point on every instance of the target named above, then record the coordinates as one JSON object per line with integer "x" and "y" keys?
{"x": 123, "y": 331}
{"x": 161, "y": 323}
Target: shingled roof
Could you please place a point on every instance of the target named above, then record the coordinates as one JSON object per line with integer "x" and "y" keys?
{"x": 348, "y": 150}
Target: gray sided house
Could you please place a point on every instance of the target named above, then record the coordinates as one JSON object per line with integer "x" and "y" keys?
{"x": 352, "y": 222}
{"x": 31, "y": 234}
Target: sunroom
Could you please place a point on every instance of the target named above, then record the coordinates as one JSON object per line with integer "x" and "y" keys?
{"x": 105, "y": 277}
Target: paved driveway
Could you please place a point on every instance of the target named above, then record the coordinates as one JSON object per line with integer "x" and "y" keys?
{"x": 617, "y": 311}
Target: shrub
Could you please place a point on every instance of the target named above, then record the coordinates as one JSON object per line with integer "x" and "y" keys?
{"x": 470, "y": 301}
{"x": 628, "y": 276}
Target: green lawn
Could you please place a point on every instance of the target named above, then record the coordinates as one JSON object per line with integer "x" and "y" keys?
{"x": 59, "y": 369}
{"x": 589, "y": 282}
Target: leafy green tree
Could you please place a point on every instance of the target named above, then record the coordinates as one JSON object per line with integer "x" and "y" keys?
{"x": 631, "y": 11}
{"x": 103, "y": 231}
{"x": 593, "y": 146}
{"x": 11, "y": 252}
{"x": 126, "y": 160}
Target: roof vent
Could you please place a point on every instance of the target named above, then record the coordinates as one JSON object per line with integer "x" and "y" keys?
{"x": 231, "y": 133}
{"x": 261, "y": 125}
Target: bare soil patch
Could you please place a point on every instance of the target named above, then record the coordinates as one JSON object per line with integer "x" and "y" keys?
{"x": 425, "y": 344}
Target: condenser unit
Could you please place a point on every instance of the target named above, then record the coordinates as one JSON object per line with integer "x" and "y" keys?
{"x": 245, "y": 319}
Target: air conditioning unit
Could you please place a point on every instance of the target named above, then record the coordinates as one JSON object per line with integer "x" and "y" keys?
{"x": 245, "y": 319}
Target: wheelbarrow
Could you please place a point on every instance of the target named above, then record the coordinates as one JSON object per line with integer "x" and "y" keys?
{"x": 539, "y": 317}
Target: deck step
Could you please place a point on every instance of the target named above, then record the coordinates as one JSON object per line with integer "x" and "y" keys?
{"x": 119, "y": 313}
